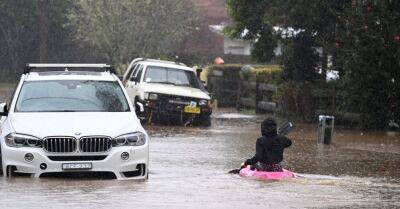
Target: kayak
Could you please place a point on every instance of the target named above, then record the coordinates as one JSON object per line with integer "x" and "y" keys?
{"x": 263, "y": 175}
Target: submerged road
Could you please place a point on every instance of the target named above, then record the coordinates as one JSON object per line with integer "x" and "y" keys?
{"x": 188, "y": 169}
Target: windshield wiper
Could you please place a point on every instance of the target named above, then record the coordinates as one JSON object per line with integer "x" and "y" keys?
{"x": 187, "y": 85}
{"x": 164, "y": 82}
{"x": 57, "y": 111}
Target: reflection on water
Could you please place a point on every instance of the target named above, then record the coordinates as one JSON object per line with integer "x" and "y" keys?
{"x": 188, "y": 169}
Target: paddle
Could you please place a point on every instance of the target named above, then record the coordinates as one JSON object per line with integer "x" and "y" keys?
{"x": 283, "y": 131}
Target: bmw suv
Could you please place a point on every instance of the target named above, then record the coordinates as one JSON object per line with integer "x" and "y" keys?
{"x": 72, "y": 118}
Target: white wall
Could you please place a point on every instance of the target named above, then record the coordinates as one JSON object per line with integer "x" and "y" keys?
{"x": 237, "y": 46}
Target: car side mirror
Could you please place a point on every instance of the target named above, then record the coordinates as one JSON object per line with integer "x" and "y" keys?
{"x": 205, "y": 85}
{"x": 3, "y": 109}
{"x": 140, "y": 107}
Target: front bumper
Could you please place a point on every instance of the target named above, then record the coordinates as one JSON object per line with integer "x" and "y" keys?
{"x": 164, "y": 107}
{"x": 122, "y": 169}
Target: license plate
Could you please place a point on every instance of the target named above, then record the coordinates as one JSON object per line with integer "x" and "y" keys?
{"x": 76, "y": 166}
{"x": 195, "y": 110}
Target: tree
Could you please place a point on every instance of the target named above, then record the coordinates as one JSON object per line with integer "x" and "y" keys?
{"x": 35, "y": 31}
{"x": 268, "y": 21}
{"x": 370, "y": 57}
{"x": 125, "y": 29}
{"x": 361, "y": 36}
{"x": 17, "y": 34}
{"x": 300, "y": 58}
{"x": 250, "y": 23}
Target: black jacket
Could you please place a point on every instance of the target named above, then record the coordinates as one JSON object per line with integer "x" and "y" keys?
{"x": 269, "y": 149}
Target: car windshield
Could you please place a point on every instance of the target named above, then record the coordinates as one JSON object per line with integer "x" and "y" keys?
{"x": 173, "y": 76}
{"x": 71, "y": 96}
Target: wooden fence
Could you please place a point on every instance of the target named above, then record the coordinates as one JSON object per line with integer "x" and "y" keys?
{"x": 256, "y": 95}
{"x": 242, "y": 93}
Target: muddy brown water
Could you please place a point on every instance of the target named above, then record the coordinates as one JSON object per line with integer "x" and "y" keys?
{"x": 188, "y": 169}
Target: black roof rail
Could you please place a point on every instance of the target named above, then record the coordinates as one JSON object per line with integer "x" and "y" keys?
{"x": 69, "y": 66}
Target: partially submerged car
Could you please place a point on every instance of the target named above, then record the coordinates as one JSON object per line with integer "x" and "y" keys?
{"x": 167, "y": 91}
{"x": 72, "y": 118}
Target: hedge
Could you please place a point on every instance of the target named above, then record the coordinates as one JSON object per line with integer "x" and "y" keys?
{"x": 272, "y": 73}
{"x": 264, "y": 73}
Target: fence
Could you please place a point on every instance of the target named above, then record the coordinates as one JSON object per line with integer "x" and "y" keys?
{"x": 240, "y": 92}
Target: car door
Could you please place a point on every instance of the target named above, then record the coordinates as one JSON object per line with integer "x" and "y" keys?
{"x": 133, "y": 82}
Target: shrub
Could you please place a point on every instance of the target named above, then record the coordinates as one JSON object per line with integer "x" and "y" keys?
{"x": 295, "y": 101}
{"x": 271, "y": 74}
{"x": 230, "y": 71}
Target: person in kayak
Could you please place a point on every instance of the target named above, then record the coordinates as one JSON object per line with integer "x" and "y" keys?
{"x": 269, "y": 148}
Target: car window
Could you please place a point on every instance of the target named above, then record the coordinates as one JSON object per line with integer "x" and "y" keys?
{"x": 138, "y": 74}
{"x": 71, "y": 96}
{"x": 173, "y": 76}
{"x": 133, "y": 73}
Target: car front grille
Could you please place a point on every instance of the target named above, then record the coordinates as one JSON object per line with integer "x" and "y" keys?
{"x": 95, "y": 144}
{"x": 59, "y": 144}
{"x": 78, "y": 158}
{"x": 174, "y": 103}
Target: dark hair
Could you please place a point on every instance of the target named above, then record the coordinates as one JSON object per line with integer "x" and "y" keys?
{"x": 269, "y": 127}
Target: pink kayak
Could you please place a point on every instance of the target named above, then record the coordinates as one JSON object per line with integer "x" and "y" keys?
{"x": 263, "y": 175}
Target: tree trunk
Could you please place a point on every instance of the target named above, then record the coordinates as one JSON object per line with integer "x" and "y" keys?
{"x": 324, "y": 63}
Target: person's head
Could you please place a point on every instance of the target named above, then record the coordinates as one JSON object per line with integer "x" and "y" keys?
{"x": 269, "y": 127}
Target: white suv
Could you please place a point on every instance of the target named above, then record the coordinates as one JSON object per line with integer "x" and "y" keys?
{"x": 72, "y": 118}
{"x": 167, "y": 91}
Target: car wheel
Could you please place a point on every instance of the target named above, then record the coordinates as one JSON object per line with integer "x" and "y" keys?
{"x": 1, "y": 163}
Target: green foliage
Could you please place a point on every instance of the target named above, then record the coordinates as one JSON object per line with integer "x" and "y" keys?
{"x": 362, "y": 37}
{"x": 300, "y": 59}
{"x": 271, "y": 74}
{"x": 229, "y": 71}
{"x": 296, "y": 101}
{"x": 16, "y": 19}
{"x": 263, "y": 50}
{"x": 264, "y": 73}
{"x": 249, "y": 23}
{"x": 369, "y": 51}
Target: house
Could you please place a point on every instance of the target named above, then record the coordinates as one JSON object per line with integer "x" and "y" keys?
{"x": 210, "y": 41}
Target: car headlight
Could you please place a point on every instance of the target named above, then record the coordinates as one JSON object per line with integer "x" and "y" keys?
{"x": 203, "y": 102}
{"x": 22, "y": 140}
{"x": 132, "y": 139}
{"x": 153, "y": 96}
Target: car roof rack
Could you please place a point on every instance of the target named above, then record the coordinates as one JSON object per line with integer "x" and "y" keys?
{"x": 105, "y": 67}
{"x": 162, "y": 61}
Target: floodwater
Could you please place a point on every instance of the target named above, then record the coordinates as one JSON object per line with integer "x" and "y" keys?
{"x": 188, "y": 169}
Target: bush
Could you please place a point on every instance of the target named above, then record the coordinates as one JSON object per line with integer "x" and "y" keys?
{"x": 296, "y": 101}
{"x": 229, "y": 71}
{"x": 271, "y": 74}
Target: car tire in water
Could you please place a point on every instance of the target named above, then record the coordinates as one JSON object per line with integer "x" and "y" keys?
{"x": 206, "y": 121}
{"x": 1, "y": 163}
